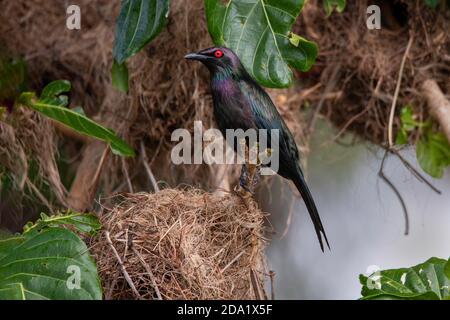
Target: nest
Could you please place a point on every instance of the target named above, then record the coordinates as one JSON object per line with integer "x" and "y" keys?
{"x": 166, "y": 92}
{"x": 354, "y": 80}
{"x": 28, "y": 158}
{"x": 181, "y": 245}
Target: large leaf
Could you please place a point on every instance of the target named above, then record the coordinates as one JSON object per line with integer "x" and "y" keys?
{"x": 424, "y": 281}
{"x": 258, "y": 31}
{"x": 137, "y": 24}
{"x": 37, "y": 266}
{"x": 83, "y": 222}
{"x": 53, "y": 105}
{"x": 447, "y": 269}
{"x": 48, "y": 261}
{"x": 433, "y": 153}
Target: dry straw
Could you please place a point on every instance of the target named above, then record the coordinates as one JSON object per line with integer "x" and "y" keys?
{"x": 181, "y": 245}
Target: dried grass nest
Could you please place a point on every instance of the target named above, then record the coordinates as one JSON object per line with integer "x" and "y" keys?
{"x": 166, "y": 92}
{"x": 181, "y": 244}
{"x": 353, "y": 82}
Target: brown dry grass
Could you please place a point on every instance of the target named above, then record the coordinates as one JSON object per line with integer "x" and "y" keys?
{"x": 166, "y": 92}
{"x": 181, "y": 245}
{"x": 367, "y": 62}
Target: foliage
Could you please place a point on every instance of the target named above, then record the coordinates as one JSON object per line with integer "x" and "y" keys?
{"x": 259, "y": 33}
{"x": 330, "y": 5}
{"x": 12, "y": 79}
{"x": 53, "y": 104}
{"x": 137, "y": 24}
{"x": 429, "y": 280}
{"x": 45, "y": 260}
{"x": 85, "y": 223}
{"x": 431, "y": 3}
{"x": 432, "y": 148}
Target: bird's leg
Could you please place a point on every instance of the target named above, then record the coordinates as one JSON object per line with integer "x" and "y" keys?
{"x": 250, "y": 172}
{"x": 244, "y": 179}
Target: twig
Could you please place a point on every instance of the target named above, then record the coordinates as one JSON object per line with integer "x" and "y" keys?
{"x": 255, "y": 285}
{"x": 38, "y": 193}
{"x": 124, "y": 271}
{"x": 272, "y": 284}
{"x": 127, "y": 176}
{"x": 414, "y": 171}
{"x": 84, "y": 187}
{"x": 328, "y": 88}
{"x": 148, "y": 169}
{"x": 289, "y": 219}
{"x": 232, "y": 261}
{"x": 397, "y": 90}
{"x": 149, "y": 271}
{"x": 397, "y": 193}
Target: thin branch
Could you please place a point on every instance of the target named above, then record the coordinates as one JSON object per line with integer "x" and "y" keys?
{"x": 272, "y": 284}
{"x": 148, "y": 169}
{"x": 255, "y": 285}
{"x": 127, "y": 176}
{"x": 289, "y": 219}
{"x": 328, "y": 88}
{"x": 149, "y": 271}
{"x": 414, "y": 171}
{"x": 397, "y": 193}
{"x": 122, "y": 267}
{"x": 397, "y": 90}
{"x": 38, "y": 193}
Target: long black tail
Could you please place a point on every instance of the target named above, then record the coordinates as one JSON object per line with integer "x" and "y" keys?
{"x": 302, "y": 187}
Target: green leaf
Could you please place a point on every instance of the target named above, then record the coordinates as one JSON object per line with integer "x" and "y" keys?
{"x": 424, "y": 281}
{"x": 45, "y": 265}
{"x": 447, "y": 269}
{"x": 431, "y": 3}
{"x": 258, "y": 31}
{"x": 433, "y": 153}
{"x": 407, "y": 124}
{"x": 53, "y": 106}
{"x": 13, "y": 291}
{"x": 85, "y": 223}
{"x": 119, "y": 74}
{"x": 407, "y": 118}
{"x": 137, "y": 24}
{"x": 330, "y": 5}
{"x": 55, "y": 88}
{"x": 402, "y": 137}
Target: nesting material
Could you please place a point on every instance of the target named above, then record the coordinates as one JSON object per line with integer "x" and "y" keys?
{"x": 358, "y": 68}
{"x": 181, "y": 244}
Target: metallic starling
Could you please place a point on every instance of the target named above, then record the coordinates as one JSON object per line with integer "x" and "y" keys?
{"x": 240, "y": 103}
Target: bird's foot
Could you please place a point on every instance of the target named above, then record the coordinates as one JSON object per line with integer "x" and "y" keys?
{"x": 250, "y": 176}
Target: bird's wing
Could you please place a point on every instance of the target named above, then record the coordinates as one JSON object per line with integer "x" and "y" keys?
{"x": 266, "y": 116}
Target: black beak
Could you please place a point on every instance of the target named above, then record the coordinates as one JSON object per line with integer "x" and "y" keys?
{"x": 195, "y": 56}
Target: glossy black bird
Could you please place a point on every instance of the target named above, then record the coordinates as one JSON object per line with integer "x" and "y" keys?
{"x": 240, "y": 103}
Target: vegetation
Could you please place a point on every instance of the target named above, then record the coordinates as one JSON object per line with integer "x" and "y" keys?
{"x": 43, "y": 261}
{"x": 428, "y": 281}
{"x": 50, "y": 261}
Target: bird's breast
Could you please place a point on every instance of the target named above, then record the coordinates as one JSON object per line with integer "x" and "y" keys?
{"x": 230, "y": 108}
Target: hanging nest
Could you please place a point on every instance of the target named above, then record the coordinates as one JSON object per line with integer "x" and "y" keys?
{"x": 30, "y": 179}
{"x": 181, "y": 245}
{"x": 354, "y": 80}
{"x": 166, "y": 92}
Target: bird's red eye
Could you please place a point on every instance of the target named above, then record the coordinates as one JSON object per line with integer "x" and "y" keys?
{"x": 218, "y": 54}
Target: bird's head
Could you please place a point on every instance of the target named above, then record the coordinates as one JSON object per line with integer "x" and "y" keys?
{"x": 217, "y": 59}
